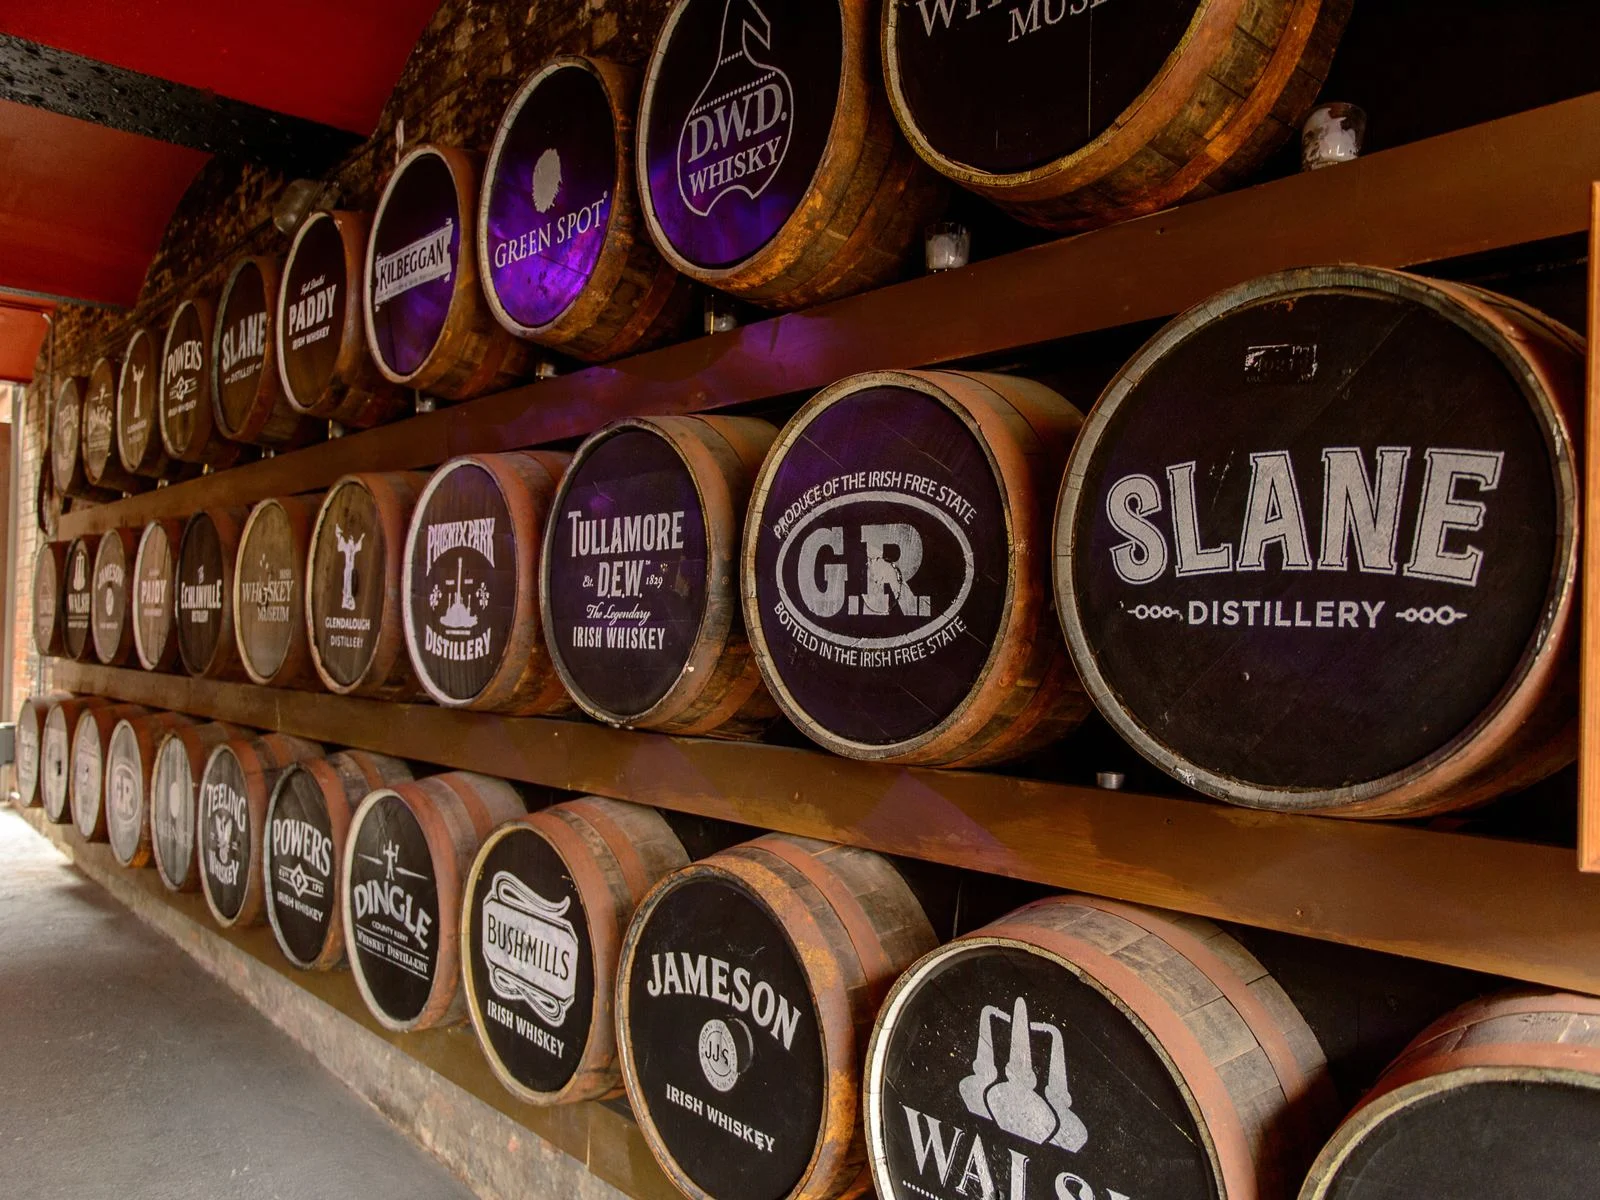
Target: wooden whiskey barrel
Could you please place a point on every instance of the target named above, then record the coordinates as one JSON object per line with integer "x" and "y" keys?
{"x": 308, "y": 820}
{"x": 1373, "y": 619}
{"x": 30, "y": 744}
{"x": 48, "y": 503}
{"x": 269, "y": 620}
{"x": 102, "y": 464}
{"x": 181, "y": 757}
{"x": 548, "y": 901}
{"x": 111, "y": 612}
{"x": 638, "y": 585}
{"x": 55, "y": 754}
{"x": 206, "y": 557}
{"x": 49, "y": 594}
{"x": 470, "y": 591}
{"x": 246, "y": 389}
{"x": 66, "y": 443}
{"x": 1105, "y": 1048}
{"x": 405, "y": 866}
{"x": 139, "y": 446}
{"x": 91, "y": 736}
{"x": 77, "y": 597}
{"x": 130, "y": 761}
{"x": 428, "y": 325}
{"x": 184, "y": 413}
{"x": 751, "y": 974}
{"x": 896, "y": 547}
{"x": 155, "y": 594}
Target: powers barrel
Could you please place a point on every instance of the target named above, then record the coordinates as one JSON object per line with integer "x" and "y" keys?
{"x": 139, "y": 445}
{"x": 66, "y": 444}
{"x": 174, "y": 798}
{"x": 77, "y": 599}
{"x": 91, "y": 737}
{"x": 206, "y": 558}
{"x": 1079, "y": 1048}
{"x": 130, "y": 762}
{"x": 269, "y": 591}
{"x": 55, "y": 754}
{"x": 102, "y": 464}
{"x": 49, "y": 594}
{"x": 246, "y": 389}
{"x": 30, "y": 745}
{"x": 184, "y": 410}
{"x": 1317, "y": 545}
{"x": 111, "y": 615}
{"x": 896, "y": 547}
{"x": 154, "y": 594}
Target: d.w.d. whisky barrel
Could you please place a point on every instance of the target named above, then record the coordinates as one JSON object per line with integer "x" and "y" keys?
{"x": 562, "y": 248}
{"x": 769, "y": 165}
{"x": 55, "y": 754}
{"x": 896, "y": 548}
{"x": 752, "y": 974}
{"x": 153, "y": 595}
{"x": 548, "y": 902}
{"x": 30, "y": 743}
{"x": 206, "y": 558}
{"x": 130, "y": 762}
{"x": 470, "y": 592}
{"x": 111, "y": 610}
{"x": 77, "y": 598}
{"x": 639, "y": 581}
{"x": 1069, "y": 113}
{"x": 66, "y": 444}
{"x": 269, "y": 620}
{"x": 181, "y": 758}
{"x": 49, "y": 592}
{"x": 185, "y": 414}
{"x": 428, "y": 325}
{"x": 1317, "y": 546}
{"x": 139, "y": 445}
{"x": 246, "y": 391}
{"x": 91, "y": 736}
{"x": 102, "y": 465}
{"x": 1084, "y": 1048}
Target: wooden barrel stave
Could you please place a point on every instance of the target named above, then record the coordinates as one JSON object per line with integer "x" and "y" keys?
{"x": 91, "y": 737}
{"x": 111, "y": 618}
{"x": 30, "y": 744}
{"x": 269, "y": 577}
{"x": 49, "y": 598}
{"x": 130, "y": 760}
{"x": 247, "y": 396}
{"x": 102, "y": 462}
{"x": 207, "y": 554}
{"x": 154, "y": 592}
{"x": 185, "y": 413}
{"x": 180, "y": 762}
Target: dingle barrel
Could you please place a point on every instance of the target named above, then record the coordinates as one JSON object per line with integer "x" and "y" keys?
{"x": 66, "y": 444}
{"x": 206, "y": 558}
{"x": 111, "y": 608}
{"x": 30, "y": 745}
{"x": 102, "y": 464}
{"x": 130, "y": 762}
{"x": 139, "y": 445}
{"x": 246, "y": 390}
{"x": 184, "y": 410}
{"x": 49, "y": 595}
{"x": 269, "y": 621}
{"x": 91, "y": 737}
{"x": 181, "y": 757}
{"x": 153, "y": 595}
{"x": 77, "y": 600}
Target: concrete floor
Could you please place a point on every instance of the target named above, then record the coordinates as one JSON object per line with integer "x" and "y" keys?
{"x": 127, "y": 1073}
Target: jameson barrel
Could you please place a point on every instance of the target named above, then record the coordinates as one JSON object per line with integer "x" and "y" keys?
{"x": 896, "y": 547}
{"x": 1083, "y": 1048}
{"x": 49, "y": 594}
{"x": 130, "y": 761}
{"x": 139, "y": 445}
{"x": 91, "y": 736}
{"x": 181, "y": 758}
{"x": 102, "y": 464}
{"x": 206, "y": 558}
{"x": 1317, "y": 546}
{"x": 185, "y": 413}
{"x": 77, "y": 598}
{"x": 769, "y": 165}
{"x": 1075, "y": 114}
{"x": 246, "y": 391}
{"x": 111, "y": 612}
{"x": 66, "y": 444}
{"x": 269, "y": 579}
{"x": 154, "y": 594}
{"x": 750, "y": 975}
{"x": 30, "y": 745}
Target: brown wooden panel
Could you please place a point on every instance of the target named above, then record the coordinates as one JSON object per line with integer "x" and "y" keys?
{"x": 1589, "y": 691}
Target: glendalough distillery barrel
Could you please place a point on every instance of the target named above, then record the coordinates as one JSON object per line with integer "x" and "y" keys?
{"x": 548, "y": 902}
{"x": 181, "y": 758}
{"x": 206, "y": 558}
{"x": 111, "y": 608}
{"x": 748, "y": 982}
{"x": 769, "y": 165}
{"x": 1317, "y": 546}
{"x": 55, "y": 754}
{"x": 91, "y": 737}
{"x": 1082, "y": 1048}
{"x": 428, "y": 324}
{"x": 130, "y": 763}
{"x": 154, "y": 594}
{"x": 49, "y": 592}
{"x": 102, "y": 464}
{"x": 639, "y": 590}
{"x": 77, "y": 600}
{"x": 405, "y": 867}
{"x": 308, "y": 820}
{"x": 269, "y": 591}
{"x": 184, "y": 410}
{"x": 471, "y": 588}
{"x": 66, "y": 444}
{"x": 896, "y": 547}
{"x": 562, "y": 248}
{"x": 30, "y": 744}
{"x": 139, "y": 445}
{"x": 246, "y": 390}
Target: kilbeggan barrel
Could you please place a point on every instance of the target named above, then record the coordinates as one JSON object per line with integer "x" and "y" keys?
{"x": 269, "y": 620}
{"x": 755, "y": 974}
{"x": 130, "y": 762}
{"x": 181, "y": 758}
{"x": 548, "y": 902}
{"x": 246, "y": 389}
{"x": 111, "y": 608}
{"x": 154, "y": 594}
{"x": 1375, "y": 616}
{"x": 77, "y": 600}
{"x": 139, "y": 445}
{"x": 206, "y": 558}
{"x": 896, "y": 548}
{"x": 185, "y": 413}
{"x": 639, "y": 588}
{"x": 49, "y": 595}
{"x": 769, "y": 164}
{"x": 470, "y": 593}
{"x": 30, "y": 745}
{"x": 91, "y": 737}
{"x": 102, "y": 464}
{"x": 55, "y": 754}
{"x": 66, "y": 444}
{"x": 1084, "y": 1048}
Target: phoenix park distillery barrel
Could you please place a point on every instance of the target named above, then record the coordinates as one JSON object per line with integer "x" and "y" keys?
{"x": 111, "y": 606}
{"x": 181, "y": 757}
{"x": 66, "y": 443}
{"x": 102, "y": 463}
{"x": 184, "y": 411}
{"x": 897, "y": 546}
{"x": 130, "y": 763}
{"x": 55, "y": 754}
{"x": 769, "y": 165}
{"x": 91, "y": 737}
{"x": 269, "y": 577}
{"x": 77, "y": 598}
{"x": 154, "y": 594}
{"x": 139, "y": 445}
{"x": 49, "y": 594}
{"x": 246, "y": 389}
{"x": 1375, "y": 618}
{"x": 30, "y": 744}
{"x": 207, "y": 555}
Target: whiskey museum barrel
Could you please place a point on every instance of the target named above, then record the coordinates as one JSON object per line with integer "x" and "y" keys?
{"x": 66, "y": 444}
{"x": 77, "y": 598}
{"x": 139, "y": 445}
{"x": 49, "y": 594}
{"x": 897, "y": 547}
{"x": 185, "y": 413}
{"x": 30, "y": 744}
{"x": 102, "y": 463}
{"x": 269, "y": 620}
{"x": 1084, "y": 1048}
{"x": 55, "y": 754}
{"x": 751, "y": 975}
{"x": 769, "y": 165}
{"x": 91, "y": 737}
{"x": 1317, "y": 545}
{"x": 246, "y": 389}
{"x": 181, "y": 758}
{"x": 206, "y": 558}
{"x": 130, "y": 763}
{"x": 111, "y": 608}
{"x": 153, "y": 595}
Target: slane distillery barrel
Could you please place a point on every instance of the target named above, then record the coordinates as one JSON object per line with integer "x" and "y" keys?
{"x": 77, "y": 599}
{"x": 181, "y": 758}
{"x": 428, "y": 325}
{"x": 130, "y": 763}
{"x": 30, "y": 744}
{"x": 750, "y": 975}
{"x": 139, "y": 445}
{"x": 471, "y": 583}
{"x": 90, "y": 738}
{"x": 1317, "y": 546}
{"x": 308, "y": 820}
{"x": 269, "y": 619}
{"x": 639, "y": 581}
{"x": 405, "y": 868}
{"x": 49, "y": 594}
{"x": 111, "y": 608}
{"x": 153, "y": 595}
{"x": 102, "y": 464}
{"x": 896, "y": 548}
{"x": 769, "y": 165}
{"x": 246, "y": 389}
{"x": 1084, "y": 1048}
{"x": 55, "y": 754}
{"x": 562, "y": 248}
{"x": 184, "y": 410}
{"x": 66, "y": 443}
{"x": 548, "y": 902}
{"x": 205, "y": 616}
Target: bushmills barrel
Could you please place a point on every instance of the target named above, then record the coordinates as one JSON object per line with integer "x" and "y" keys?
{"x": 269, "y": 620}
{"x": 91, "y": 736}
{"x": 139, "y": 445}
{"x": 181, "y": 758}
{"x": 102, "y": 464}
{"x": 30, "y": 744}
{"x": 206, "y": 558}
{"x": 185, "y": 414}
{"x": 130, "y": 762}
{"x": 49, "y": 594}
{"x": 246, "y": 390}
{"x": 153, "y": 594}
{"x": 66, "y": 444}
{"x": 77, "y": 600}
{"x": 55, "y": 755}
{"x": 111, "y": 608}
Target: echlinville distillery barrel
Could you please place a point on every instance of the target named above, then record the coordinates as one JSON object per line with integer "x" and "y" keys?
{"x": 206, "y": 559}
{"x": 153, "y": 595}
{"x": 90, "y": 738}
{"x": 55, "y": 754}
{"x": 181, "y": 758}
{"x": 30, "y": 744}
{"x": 896, "y": 548}
{"x": 77, "y": 600}
{"x": 139, "y": 445}
{"x": 471, "y": 588}
{"x": 111, "y": 607}
{"x": 102, "y": 464}
{"x": 130, "y": 763}
{"x": 752, "y": 974}
{"x": 1376, "y": 617}
{"x": 49, "y": 594}
{"x": 769, "y": 164}
{"x": 639, "y": 581}
{"x": 184, "y": 410}
{"x": 246, "y": 390}
{"x": 66, "y": 444}
{"x": 269, "y": 620}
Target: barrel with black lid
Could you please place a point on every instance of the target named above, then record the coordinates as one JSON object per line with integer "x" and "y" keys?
{"x": 896, "y": 548}
{"x": 246, "y": 390}
{"x": 185, "y": 413}
{"x": 66, "y": 443}
{"x": 130, "y": 761}
{"x": 48, "y": 503}
{"x": 77, "y": 599}
{"x": 768, "y": 162}
{"x": 102, "y": 464}
{"x": 49, "y": 594}
{"x": 139, "y": 446}
{"x": 111, "y": 613}
{"x": 30, "y": 745}
{"x": 91, "y": 737}
{"x": 181, "y": 757}
{"x": 154, "y": 594}
{"x": 206, "y": 558}
{"x": 470, "y": 593}
{"x": 269, "y": 592}
{"x": 1317, "y": 546}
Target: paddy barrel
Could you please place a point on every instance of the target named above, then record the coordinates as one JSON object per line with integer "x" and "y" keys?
{"x": 77, "y": 600}
{"x": 55, "y": 754}
{"x": 154, "y": 594}
{"x": 246, "y": 388}
{"x": 185, "y": 413}
{"x": 269, "y": 579}
{"x": 130, "y": 763}
{"x": 102, "y": 463}
{"x": 49, "y": 595}
{"x": 206, "y": 557}
{"x": 91, "y": 737}
{"x": 139, "y": 445}
{"x": 181, "y": 758}
{"x": 111, "y": 615}
{"x": 30, "y": 745}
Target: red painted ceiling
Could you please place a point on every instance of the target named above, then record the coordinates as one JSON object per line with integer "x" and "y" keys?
{"x": 23, "y": 324}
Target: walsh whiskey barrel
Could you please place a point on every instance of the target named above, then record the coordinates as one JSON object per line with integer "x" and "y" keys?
{"x": 269, "y": 620}
{"x": 181, "y": 757}
{"x": 66, "y": 444}
{"x": 896, "y": 548}
{"x": 405, "y": 867}
{"x": 1083, "y": 1048}
{"x": 139, "y": 446}
{"x": 548, "y": 902}
{"x": 49, "y": 594}
{"x": 91, "y": 737}
{"x": 102, "y": 465}
{"x": 111, "y": 613}
{"x": 206, "y": 558}
{"x": 428, "y": 325}
{"x": 155, "y": 594}
{"x": 470, "y": 592}
{"x": 30, "y": 744}
{"x": 130, "y": 761}
{"x": 246, "y": 389}
{"x": 638, "y": 589}
{"x": 77, "y": 599}
{"x": 185, "y": 414}
{"x": 752, "y": 974}
{"x": 769, "y": 164}
{"x": 1373, "y": 619}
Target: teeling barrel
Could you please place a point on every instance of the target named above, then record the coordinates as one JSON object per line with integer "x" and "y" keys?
{"x": 1112, "y": 1049}
{"x": 752, "y": 974}
{"x": 77, "y": 600}
{"x": 49, "y": 595}
{"x": 1285, "y": 636}
{"x": 405, "y": 867}
{"x": 139, "y": 445}
{"x": 565, "y": 882}
{"x": 153, "y": 595}
{"x": 30, "y": 744}
{"x": 206, "y": 557}
{"x": 55, "y": 754}
{"x": 102, "y": 465}
{"x": 471, "y": 589}
{"x": 269, "y": 619}
{"x": 184, "y": 411}
{"x": 896, "y": 547}
{"x": 181, "y": 758}
{"x": 769, "y": 164}
{"x": 246, "y": 390}
{"x": 90, "y": 738}
{"x": 66, "y": 444}
{"x": 130, "y": 761}
{"x": 111, "y": 618}
{"x": 645, "y": 531}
